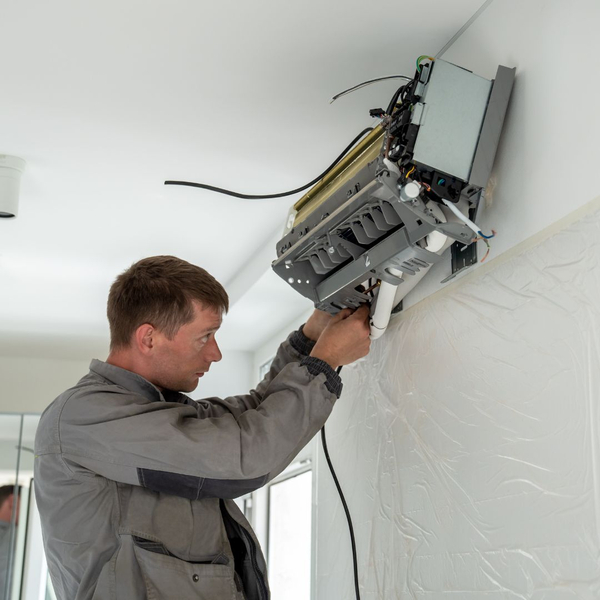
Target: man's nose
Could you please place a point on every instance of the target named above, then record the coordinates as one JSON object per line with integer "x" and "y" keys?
{"x": 215, "y": 353}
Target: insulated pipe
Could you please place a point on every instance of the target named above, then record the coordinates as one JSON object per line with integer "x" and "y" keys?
{"x": 384, "y": 305}
{"x": 390, "y": 295}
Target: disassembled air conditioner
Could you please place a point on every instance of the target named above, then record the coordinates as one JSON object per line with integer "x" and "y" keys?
{"x": 373, "y": 226}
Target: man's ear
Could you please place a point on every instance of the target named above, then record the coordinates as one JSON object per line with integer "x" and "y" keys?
{"x": 145, "y": 338}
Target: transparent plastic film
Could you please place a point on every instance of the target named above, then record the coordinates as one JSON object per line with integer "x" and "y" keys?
{"x": 467, "y": 443}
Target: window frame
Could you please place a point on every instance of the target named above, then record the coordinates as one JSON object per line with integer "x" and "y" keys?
{"x": 261, "y": 509}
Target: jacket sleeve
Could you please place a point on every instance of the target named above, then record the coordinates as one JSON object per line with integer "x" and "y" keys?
{"x": 295, "y": 348}
{"x": 169, "y": 447}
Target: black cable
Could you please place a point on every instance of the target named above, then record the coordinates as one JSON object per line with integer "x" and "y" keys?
{"x": 408, "y": 87}
{"x": 369, "y": 82}
{"x": 204, "y": 186}
{"x": 392, "y": 104}
{"x": 339, "y": 489}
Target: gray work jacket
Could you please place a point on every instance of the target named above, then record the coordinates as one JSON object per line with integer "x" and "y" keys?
{"x": 135, "y": 486}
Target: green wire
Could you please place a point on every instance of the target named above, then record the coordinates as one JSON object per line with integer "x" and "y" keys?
{"x": 420, "y": 59}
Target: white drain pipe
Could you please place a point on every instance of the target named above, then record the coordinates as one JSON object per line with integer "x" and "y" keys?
{"x": 11, "y": 169}
{"x": 390, "y": 295}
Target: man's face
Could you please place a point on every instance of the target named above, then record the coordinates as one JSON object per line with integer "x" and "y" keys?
{"x": 179, "y": 363}
{"x": 6, "y": 510}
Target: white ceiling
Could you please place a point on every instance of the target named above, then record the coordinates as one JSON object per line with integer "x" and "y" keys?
{"x": 106, "y": 100}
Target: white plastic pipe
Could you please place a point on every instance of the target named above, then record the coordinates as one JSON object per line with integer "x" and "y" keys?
{"x": 390, "y": 295}
{"x": 462, "y": 216}
{"x": 11, "y": 169}
{"x": 384, "y": 306}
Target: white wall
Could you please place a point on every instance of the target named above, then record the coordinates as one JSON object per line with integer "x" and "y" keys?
{"x": 34, "y": 369}
{"x": 467, "y": 443}
{"x": 231, "y": 376}
{"x": 548, "y": 151}
{"x": 32, "y": 381}
{"x": 29, "y": 384}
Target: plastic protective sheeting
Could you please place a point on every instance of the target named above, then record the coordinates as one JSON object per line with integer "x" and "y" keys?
{"x": 468, "y": 442}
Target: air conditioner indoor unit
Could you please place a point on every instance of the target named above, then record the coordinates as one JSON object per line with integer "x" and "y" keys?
{"x": 371, "y": 228}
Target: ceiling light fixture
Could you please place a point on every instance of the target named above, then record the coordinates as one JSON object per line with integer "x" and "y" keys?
{"x": 11, "y": 169}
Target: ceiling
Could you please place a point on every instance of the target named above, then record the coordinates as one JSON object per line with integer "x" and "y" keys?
{"x": 107, "y": 100}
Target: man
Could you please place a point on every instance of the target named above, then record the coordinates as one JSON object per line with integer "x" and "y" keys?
{"x": 134, "y": 480}
{"x": 8, "y": 506}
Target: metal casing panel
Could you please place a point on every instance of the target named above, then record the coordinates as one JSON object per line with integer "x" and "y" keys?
{"x": 492, "y": 126}
{"x": 352, "y": 239}
{"x": 455, "y": 102}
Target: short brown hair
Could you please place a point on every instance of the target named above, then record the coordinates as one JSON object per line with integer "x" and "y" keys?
{"x": 6, "y": 491}
{"x": 159, "y": 290}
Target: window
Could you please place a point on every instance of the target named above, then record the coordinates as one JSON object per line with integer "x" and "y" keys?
{"x": 290, "y": 539}
{"x": 245, "y": 505}
{"x": 264, "y": 369}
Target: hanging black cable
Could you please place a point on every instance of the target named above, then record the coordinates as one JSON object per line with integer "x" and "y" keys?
{"x": 219, "y": 190}
{"x": 343, "y": 499}
{"x": 365, "y": 83}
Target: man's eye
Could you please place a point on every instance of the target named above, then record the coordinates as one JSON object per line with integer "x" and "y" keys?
{"x": 205, "y": 339}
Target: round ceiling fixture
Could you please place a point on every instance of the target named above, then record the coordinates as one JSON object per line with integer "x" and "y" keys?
{"x": 11, "y": 169}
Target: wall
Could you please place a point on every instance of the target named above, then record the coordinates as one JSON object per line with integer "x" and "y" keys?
{"x": 29, "y": 384}
{"x": 31, "y": 378}
{"x": 231, "y": 376}
{"x": 548, "y": 151}
{"x": 467, "y": 442}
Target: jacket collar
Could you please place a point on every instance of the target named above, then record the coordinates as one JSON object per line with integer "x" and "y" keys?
{"x": 127, "y": 379}
{"x": 136, "y": 383}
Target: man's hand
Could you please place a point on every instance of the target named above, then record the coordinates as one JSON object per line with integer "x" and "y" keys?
{"x": 316, "y": 324}
{"x": 345, "y": 338}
